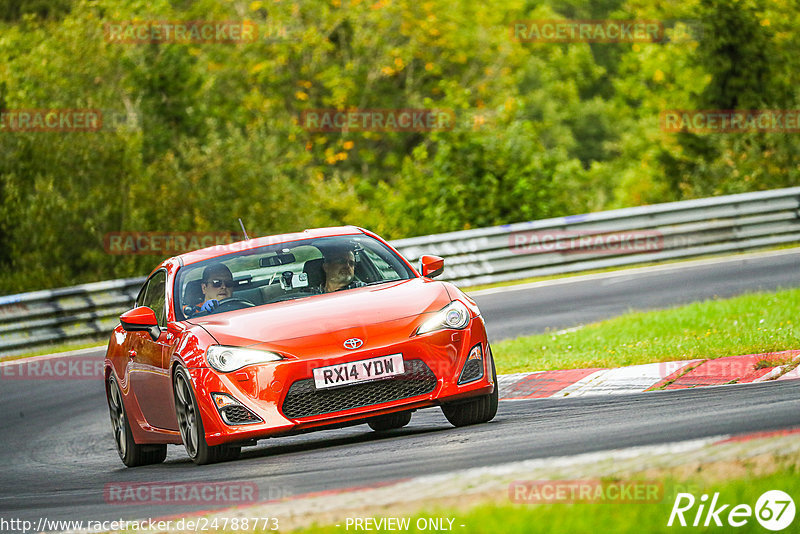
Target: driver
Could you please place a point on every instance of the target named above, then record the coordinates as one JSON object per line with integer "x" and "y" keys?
{"x": 339, "y": 267}
{"x": 217, "y": 285}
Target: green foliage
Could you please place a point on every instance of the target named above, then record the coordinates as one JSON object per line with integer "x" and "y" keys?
{"x": 197, "y": 135}
{"x": 11, "y": 10}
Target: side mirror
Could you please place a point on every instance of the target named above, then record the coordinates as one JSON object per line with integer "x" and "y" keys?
{"x": 141, "y": 319}
{"x": 431, "y": 266}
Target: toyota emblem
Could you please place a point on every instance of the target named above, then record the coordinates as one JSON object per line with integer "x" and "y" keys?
{"x": 353, "y": 343}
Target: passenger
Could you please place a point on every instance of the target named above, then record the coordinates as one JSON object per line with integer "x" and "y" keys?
{"x": 339, "y": 266}
{"x": 217, "y": 285}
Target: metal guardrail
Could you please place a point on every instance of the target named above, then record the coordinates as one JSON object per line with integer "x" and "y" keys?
{"x": 675, "y": 230}
{"x": 509, "y": 252}
{"x": 33, "y": 319}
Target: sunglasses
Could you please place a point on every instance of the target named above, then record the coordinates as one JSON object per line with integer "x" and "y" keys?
{"x": 216, "y": 284}
{"x": 342, "y": 261}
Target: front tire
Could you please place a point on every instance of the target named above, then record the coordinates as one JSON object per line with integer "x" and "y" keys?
{"x": 474, "y": 411}
{"x": 382, "y": 423}
{"x": 131, "y": 454}
{"x": 190, "y": 424}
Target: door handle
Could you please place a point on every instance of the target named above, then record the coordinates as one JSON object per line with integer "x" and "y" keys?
{"x": 131, "y": 354}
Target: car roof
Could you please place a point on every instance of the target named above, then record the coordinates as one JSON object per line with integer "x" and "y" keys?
{"x": 220, "y": 250}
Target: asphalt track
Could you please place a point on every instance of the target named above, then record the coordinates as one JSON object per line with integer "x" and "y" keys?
{"x": 57, "y": 452}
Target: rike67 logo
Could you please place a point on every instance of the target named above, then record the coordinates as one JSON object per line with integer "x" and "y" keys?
{"x": 774, "y": 510}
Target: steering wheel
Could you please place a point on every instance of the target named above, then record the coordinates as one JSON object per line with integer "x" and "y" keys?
{"x": 232, "y": 303}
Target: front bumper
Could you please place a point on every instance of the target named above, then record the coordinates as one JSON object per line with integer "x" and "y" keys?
{"x": 283, "y": 396}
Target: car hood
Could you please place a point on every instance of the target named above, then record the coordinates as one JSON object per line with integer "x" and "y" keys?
{"x": 309, "y": 325}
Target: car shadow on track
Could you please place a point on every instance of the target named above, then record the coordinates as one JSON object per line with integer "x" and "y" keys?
{"x": 346, "y": 437}
{"x": 278, "y": 446}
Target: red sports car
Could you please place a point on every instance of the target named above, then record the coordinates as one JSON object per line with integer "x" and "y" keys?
{"x": 285, "y": 334}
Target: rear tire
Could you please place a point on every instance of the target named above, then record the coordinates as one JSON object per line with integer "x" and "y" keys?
{"x": 382, "y": 423}
{"x": 477, "y": 410}
{"x": 131, "y": 454}
{"x": 190, "y": 424}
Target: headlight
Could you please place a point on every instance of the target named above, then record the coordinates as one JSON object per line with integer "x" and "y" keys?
{"x": 227, "y": 359}
{"x": 454, "y": 315}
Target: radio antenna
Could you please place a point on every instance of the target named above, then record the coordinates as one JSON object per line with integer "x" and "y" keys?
{"x": 243, "y": 230}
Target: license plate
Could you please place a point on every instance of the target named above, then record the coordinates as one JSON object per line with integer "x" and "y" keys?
{"x": 360, "y": 371}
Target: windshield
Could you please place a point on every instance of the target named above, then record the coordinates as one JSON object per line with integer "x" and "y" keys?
{"x": 286, "y": 271}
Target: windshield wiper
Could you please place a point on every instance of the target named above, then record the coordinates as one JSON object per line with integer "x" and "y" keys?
{"x": 289, "y": 297}
{"x": 379, "y": 282}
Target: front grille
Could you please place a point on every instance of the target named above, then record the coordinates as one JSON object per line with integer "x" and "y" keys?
{"x": 239, "y": 415}
{"x": 472, "y": 371}
{"x": 304, "y": 399}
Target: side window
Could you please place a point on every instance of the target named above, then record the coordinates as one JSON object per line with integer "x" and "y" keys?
{"x": 142, "y": 293}
{"x": 155, "y": 296}
{"x": 387, "y": 271}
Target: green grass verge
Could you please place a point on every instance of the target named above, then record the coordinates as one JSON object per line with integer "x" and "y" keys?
{"x": 613, "y": 516}
{"x": 748, "y": 324}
